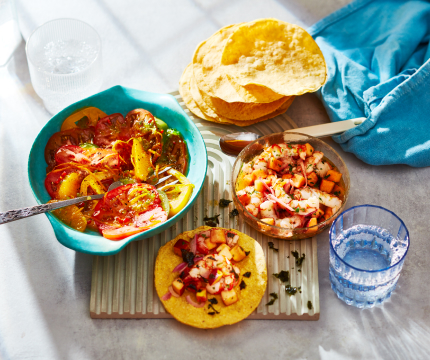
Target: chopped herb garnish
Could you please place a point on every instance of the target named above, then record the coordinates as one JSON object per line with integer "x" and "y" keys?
{"x": 231, "y": 235}
{"x": 188, "y": 257}
{"x": 247, "y": 274}
{"x": 210, "y": 306}
{"x": 274, "y": 298}
{"x": 337, "y": 193}
{"x": 224, "y": 203}
{"x": 247, "y": 253}
{"x": 296, "y": 210}
{"x": 242, "y": 285}
{"x": 271, "y": 246}
{"x": 203, "y": 235}
{"x": 213, "y": 301}
{"x": 283, "y": 275}
{"x": 234, "y": 212}
{"x": 310, "y": 305}
{"x": 299, "y": 259}
{"x": 211, "y": 258}
{"x": 211, "y": 313}
{"x": 211, "y": 221}
{"x": 290, "y": 168}
{"x": 300, "y": 270}
{"x": 290, "y": 290}
{"x": 326, "y": 177}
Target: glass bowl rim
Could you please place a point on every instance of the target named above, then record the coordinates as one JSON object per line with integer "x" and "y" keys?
{"x": 362, "y": 270}
{"x": 278, "y": 228}
{"x": 99, "y": 47}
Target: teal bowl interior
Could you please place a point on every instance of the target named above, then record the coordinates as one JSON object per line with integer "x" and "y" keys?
{"x": 118, "y": 100}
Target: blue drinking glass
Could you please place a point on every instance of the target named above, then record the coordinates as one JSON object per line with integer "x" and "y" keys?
{"x": 368, "y": 246}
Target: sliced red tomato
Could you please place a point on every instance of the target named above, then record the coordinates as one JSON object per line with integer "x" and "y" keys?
{"x": 132, "y": 207}
{"x": 55, "y": 177}
{"x": 71, "y": 153}
{"x": 102, "y": 158}
{"x": 178, "y": 153}
{"x": 111, "y": 128}
{"x": 68, "y": 137}
{"x": 142, "y": 122}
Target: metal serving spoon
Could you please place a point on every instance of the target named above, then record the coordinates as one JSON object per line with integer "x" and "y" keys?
{"x": 233, "y": 144}
{"x": 18, "y": 214}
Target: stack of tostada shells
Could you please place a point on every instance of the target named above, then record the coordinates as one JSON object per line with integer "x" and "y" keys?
{"x": 251, "y": 72}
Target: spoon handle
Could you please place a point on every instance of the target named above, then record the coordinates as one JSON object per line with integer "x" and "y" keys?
{"x": 329, "y": 129}
{"x": 13, "y": 215}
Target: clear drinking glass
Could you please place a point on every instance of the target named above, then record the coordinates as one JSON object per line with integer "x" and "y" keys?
{"x": 65, "y": 62}
{"x": 368, "y": 245}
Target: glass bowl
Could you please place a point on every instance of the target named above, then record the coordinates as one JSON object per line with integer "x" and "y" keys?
{"x": 255, "y": 148}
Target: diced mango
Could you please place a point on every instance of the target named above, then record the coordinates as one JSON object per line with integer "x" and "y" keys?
{"x": 333, "y": 175}
{"x": 326, "y": 186}
{"x": 259, "y": 186}
{"x": 210, "y": 244}
{"x": 287, "y": 176}
{"x": 312, "y": 223}
{"x": 221, "y": 247}
{"x": 309, "y": 149}
{"x": 312, "y": 179}
{"x": 248, "y": 180}
{"x": 269, "y": 221}
{"x": 328, "y": 213}
{"x": 229, "y": 297}
{"x": 274, "y": 164}
{"x": 298, "y": 180}
{"x": 178, "y": 286}
{"x": 218, "y": 236}
{"x": 201, "y": 295}
{"x": 338, "y": 191}
{"x": 318, "y": 213}
{"x": 238, "y": 253}
{"x": 259, "y": 174}
{"x": 226, "y": 253}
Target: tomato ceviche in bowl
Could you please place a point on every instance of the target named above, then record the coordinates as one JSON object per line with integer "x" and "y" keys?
{"x": 287, "y": 187}
{"x": 94, "y": 149}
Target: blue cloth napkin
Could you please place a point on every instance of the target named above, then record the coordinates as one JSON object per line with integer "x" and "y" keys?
{"x": 377, "y": 55}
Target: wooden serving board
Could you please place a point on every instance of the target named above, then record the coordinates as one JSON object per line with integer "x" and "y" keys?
{"x": 122, "y": 285}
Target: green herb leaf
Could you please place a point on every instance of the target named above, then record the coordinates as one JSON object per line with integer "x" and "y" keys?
{"x": 247, "y": 274}
{"x": 211, "y": 221}
{"x": 224, "y": 203}
{"x": 213, "y": 301}
{"x": 299, "y": 259}
{"x": 274, "y": 298}
{"x": 271, "y": 246}
{"x": 290, "y": 290}
{"x": 283, "y": 275}
{"x": 210, "y": 306}
{"x": 234, "y": 212}
{"x": 242, "y": 285}
{"x": 310, "y": 305}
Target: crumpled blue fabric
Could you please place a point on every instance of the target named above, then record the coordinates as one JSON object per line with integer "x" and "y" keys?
{"x": 377, "y": 55}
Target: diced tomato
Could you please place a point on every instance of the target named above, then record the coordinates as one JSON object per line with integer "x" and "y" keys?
{"x": 111, "y": 128}
{"x": 201, "y": 246}
{"x": 179, "y": 245}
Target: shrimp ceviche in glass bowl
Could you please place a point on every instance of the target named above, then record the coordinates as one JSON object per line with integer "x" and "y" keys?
{"x": 94, "y": 149}
{"x": 290, "y": 185}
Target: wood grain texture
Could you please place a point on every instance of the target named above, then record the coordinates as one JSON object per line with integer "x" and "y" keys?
{"x": 122, "y": 285}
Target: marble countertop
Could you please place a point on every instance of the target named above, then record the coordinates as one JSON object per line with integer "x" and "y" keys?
{"x": 45, "y": 287}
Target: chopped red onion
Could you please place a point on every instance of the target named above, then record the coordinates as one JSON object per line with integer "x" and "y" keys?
{"x": 166, "y": 296}
{"x": 173, "y": 292}
{"x": 191, "y": 302}
{"x": 180, "y": 267}
{"x": 193, "y": 244}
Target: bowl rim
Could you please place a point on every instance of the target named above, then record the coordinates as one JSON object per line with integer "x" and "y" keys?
{"x": 57, "y": 224}
{"x": 278, "y": 228}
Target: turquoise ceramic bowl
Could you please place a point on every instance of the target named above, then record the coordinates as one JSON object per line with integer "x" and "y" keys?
{"x": 118, "y": 100}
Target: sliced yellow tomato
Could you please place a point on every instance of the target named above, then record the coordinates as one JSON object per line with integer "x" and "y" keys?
{"x": 69, "y": 187}
{"x": 141, "y": 160}
{"x": 92, "y": 113}
{"x": 180, "y": 194}
{"x": 72, "y": 216}
{"x": 91, "y": 181}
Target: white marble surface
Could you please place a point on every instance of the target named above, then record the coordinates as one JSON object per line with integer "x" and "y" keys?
{"x": 45, "y": 287}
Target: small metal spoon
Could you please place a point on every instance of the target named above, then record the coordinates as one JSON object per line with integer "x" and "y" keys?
{"x": 233, "y": 144}
{"x": 18, "y": 214}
